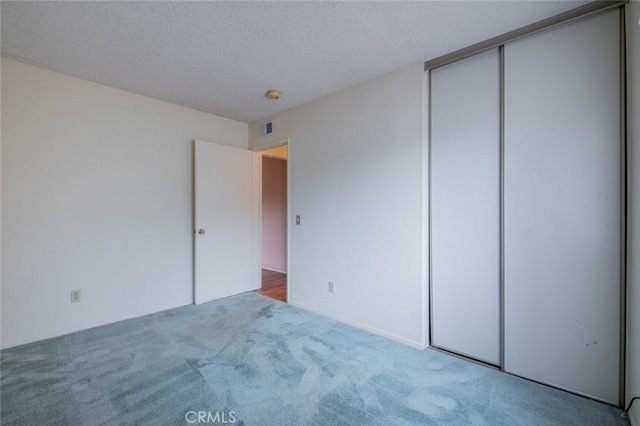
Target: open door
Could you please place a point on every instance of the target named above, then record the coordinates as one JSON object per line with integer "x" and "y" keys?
{"x": 225, "y": 222}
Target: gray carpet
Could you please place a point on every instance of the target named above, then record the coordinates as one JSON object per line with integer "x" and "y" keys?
{"x": 250, "y": 360}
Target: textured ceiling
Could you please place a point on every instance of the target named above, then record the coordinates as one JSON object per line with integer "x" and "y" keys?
{"x": 221, "y": 57}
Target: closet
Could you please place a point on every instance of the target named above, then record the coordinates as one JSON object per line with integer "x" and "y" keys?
{"x": 527, "y": 206}
{"x": 465, "y": 206}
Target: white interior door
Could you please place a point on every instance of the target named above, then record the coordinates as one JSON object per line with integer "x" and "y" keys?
{"x": 563, "y": 207}
{"x": 225, "y": 222}
{"x": 465, "y": 207}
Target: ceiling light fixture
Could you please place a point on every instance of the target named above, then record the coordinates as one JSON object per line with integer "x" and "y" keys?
{"x": 274, "y": 94}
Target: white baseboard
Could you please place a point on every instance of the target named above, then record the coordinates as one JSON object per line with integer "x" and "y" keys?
{"x": 274, "y": 270}
{"x": 399, "y": 339}
{"x": 95, "y": 324}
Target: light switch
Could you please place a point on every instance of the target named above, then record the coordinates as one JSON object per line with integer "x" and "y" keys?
{"x": 297, "y": 219}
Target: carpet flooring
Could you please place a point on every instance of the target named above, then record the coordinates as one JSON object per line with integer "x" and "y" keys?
{"x": 251, "y": 360}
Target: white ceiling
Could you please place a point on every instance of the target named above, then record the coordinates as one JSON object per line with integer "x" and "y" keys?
{"x": 221, "y": 57}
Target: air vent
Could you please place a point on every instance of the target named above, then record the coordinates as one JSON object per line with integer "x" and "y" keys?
{"x": 266, "y": 129}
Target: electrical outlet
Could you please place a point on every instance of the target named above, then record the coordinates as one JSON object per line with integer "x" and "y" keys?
{"x": 330, "y": 286}
{"x": 75, "y": 296}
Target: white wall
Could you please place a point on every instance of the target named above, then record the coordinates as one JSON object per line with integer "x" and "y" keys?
{"x": 96, "y": 196}
{"x": 356, "y": 180}
{"x": 633, "y": 295}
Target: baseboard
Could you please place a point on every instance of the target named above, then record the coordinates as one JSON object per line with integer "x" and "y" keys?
{"x": 95, "y": 324}
{"x": 356, "y": 324}
{"x": 274, "y": 270}
{"x": 632, "y": 419}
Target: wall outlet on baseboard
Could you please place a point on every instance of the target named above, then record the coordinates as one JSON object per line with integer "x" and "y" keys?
{"x": 330, "y": 286}
{"x": 75, "y": 296}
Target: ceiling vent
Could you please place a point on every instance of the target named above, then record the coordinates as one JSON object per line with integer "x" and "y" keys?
{"x": 266, "y": 129}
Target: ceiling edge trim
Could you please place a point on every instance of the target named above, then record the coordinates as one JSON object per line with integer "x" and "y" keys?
{"x": 571, "y": 15}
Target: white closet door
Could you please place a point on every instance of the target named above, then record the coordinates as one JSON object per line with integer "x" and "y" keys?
{"x": 563, "y": 207}
{"x": 465, "y": 207}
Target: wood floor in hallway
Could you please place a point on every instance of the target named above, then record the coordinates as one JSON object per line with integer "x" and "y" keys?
{"x": 274, "y": 285}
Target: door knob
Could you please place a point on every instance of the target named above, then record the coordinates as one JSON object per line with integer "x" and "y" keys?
{"x": 201, "y": 231}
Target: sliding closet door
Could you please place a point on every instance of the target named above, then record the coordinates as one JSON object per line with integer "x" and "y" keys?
{"x": 465, "y": 207}
{"x": 562, "y": 212}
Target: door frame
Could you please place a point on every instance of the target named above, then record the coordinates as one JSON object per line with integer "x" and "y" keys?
{"x": 257, "y": 173}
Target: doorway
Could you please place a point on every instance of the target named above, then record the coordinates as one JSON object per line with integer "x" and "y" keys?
{"x": 274, "y": 222}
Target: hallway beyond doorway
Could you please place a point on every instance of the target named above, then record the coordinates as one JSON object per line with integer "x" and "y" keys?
{"x": 274, "y": 285}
